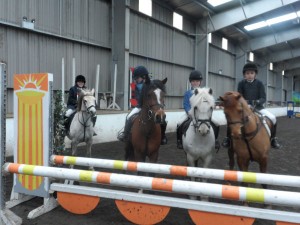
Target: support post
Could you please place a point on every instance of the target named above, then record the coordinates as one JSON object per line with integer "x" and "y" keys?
{"x": 114, "y": 105}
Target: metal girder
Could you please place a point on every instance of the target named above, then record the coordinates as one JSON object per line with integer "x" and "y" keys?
{"x": 239, "y": 14}
{"x": 273, "y": 39}
{"x": 295, "y": 72}
{"x": 285, "y": 55}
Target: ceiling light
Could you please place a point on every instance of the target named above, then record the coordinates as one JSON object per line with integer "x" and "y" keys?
{"x": 215, "y": 3}
{"x": 272, "y": 21}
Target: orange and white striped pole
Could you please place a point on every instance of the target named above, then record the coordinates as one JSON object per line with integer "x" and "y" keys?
{"x": 161, "y": 184}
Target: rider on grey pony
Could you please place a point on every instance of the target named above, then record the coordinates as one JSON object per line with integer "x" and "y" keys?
{"x": 73, "y": 100}
{"x": 253, "y": 91}
{"x": 141, "y": 77}
{"x": 195, "y": 79}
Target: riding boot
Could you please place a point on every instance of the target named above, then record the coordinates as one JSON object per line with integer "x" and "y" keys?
{"x": 164, "y": 139}
{"x": 94, "y": 119}
{"x": 123, "y": 136}
{"x": 226, "y": 140}
{"x": 216, "y": 132}
{"x": 274, "y": 140}
{"x": 67, "y": 124}
{"x": 179, "y": 136}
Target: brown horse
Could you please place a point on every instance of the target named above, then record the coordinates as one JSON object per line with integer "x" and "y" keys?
{"x": 250, "y": 139}
{"x": 146, "y": 132}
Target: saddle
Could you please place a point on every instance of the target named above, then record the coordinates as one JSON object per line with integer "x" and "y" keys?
{"x": 185, "y": 125}
{"x": 263, "y": 120}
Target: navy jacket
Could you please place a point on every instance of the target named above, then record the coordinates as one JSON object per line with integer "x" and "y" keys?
{"x": 73, "y": 94}
{"x": 253, "y": 91}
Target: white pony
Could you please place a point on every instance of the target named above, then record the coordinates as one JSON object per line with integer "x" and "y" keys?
{"x": 199, "y": 141}
{"x": 81, "y": 129}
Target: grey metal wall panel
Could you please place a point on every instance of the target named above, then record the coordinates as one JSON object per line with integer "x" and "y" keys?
{"x": 154, "y": 40}
{"x": 221, "y": 61}
{"x": 29, "y": 52}
{"x": 220, "y": 84}
{"x": 87, "y": 20}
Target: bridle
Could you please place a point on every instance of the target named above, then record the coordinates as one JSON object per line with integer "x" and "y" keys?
{"x": 150, "y": 112}
{"x": 198, "y": 122}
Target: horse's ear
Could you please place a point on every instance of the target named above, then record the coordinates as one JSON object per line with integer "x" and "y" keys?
{"x": 221, "y": 98}
{"x": 210, "y": 91}
{"x": 164, "y": 81}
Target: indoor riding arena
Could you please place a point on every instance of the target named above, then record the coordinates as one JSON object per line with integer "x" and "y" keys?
{"x": 106, "y": 105}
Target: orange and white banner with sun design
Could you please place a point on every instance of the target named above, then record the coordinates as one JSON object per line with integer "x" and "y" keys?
{"x": 31, "y": 116}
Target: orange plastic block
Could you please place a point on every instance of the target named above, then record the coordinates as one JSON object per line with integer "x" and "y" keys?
{"x": 207, "y": 218}
{"x": 77, "y": 203}
{"x": 141, "y": 213}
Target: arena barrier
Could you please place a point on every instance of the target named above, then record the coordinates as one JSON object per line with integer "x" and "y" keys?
{"x": 75, "y": 205}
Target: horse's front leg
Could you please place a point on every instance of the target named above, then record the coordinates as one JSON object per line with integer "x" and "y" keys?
{"x": 192, "y": 163}
{"x": 74, "y": 150}
{"x": 89, "y": 151}
{"x": 231, "y": 157}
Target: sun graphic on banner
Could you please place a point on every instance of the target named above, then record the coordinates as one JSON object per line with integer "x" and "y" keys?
{"x": 29, "y": 81}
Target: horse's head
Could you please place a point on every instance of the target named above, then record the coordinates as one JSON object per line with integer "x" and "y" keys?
{"x": 153, "y": 100}
{"x": 237, "y": 112}
{"x": 87, "y": 102}
{"x": 202, "y": 105}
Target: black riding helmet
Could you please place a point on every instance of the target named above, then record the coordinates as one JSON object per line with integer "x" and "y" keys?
{"x": 80, "y": 78}
{"x": 195, "y": 75}
{"x": 140, "y": 71}
{"x": 250, "y": 66}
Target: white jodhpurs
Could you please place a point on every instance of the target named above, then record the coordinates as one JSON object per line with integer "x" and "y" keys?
{"x": 133, "y": 111}
{"x": 69, "y": 112}
{"x": 269, "y": 115}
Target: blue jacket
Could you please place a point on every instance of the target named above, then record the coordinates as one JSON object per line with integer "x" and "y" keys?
{"x": 186, "y": 100}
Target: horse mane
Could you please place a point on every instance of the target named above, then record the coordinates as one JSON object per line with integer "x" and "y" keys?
{"x": 231, "y": 98}
{"x": 84, "y": 92}
{"x": 201, "y": 94}
{"x": 151, "y": 86}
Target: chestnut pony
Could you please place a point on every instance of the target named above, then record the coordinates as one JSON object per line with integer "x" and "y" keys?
{"x": 145, "y": 137}
{"x": 249, "y": 133}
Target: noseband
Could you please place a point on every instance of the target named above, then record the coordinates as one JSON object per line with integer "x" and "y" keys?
{"x": 150, "y": 112}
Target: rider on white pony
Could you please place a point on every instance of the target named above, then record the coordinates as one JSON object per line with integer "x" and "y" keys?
{"x": 73, "y": 100}
{"x": 141, "y": 77}
{"x": 195, "y": 79}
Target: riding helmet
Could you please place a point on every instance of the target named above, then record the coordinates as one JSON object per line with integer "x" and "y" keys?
{"x": 250, "y": 66}
{"x": 80, "y": 78}
{"x": 195, "y": 75}
{"x": 140, "y": 71}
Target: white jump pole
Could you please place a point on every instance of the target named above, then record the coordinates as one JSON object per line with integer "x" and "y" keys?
{"x": 230, "y": 175}
{"x": 114, "y": 105}
{"x": 264, "y": 196}
{"x": 63, "y": 80}
{"x": 97, "y": 83}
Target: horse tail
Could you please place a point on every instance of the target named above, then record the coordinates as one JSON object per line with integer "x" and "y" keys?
{"x": 129, "y": 153}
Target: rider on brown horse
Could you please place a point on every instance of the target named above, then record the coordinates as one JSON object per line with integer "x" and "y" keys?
{"x": 253, "y": 91}
{"x": 141, "y": 77}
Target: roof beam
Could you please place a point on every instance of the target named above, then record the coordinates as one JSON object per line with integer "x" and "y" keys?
{"x": 274, "y": 39}
{"x": 284, "y": 55}
{"x": 243, "y": 13}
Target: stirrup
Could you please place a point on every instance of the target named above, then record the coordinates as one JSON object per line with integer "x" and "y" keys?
{"x": 121, "y": 136}
{"x": 274, "y": 143}
{"x": 179, "y": 144}
{"x": 164, "y": 141}
{"x": 226, "y": 142}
